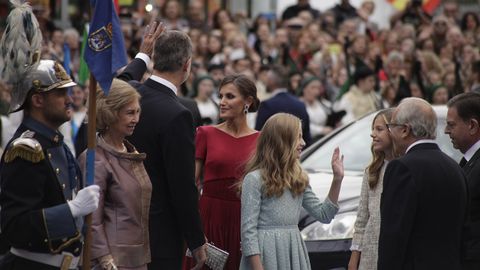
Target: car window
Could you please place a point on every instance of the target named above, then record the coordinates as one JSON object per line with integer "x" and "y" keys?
{"x": 354, "y": 142}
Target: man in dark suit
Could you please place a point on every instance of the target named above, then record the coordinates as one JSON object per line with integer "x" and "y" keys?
{"x": 136, "y": 69}
{"x": 282, "y": 101}
{"x": 192, "y": 106}
{"x": 463, "y": 127}
{"x": 424, "y": 197}
{"x": 165, "y": 133}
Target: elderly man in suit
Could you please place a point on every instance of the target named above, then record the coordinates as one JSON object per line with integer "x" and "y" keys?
{"x": 463, "y": 127}
{"x": 282, "y": 101}
{"x": 165, "y": 133}
{"x": 424, "y": 197}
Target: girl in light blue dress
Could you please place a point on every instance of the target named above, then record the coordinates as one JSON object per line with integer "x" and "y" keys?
{"x": 274, "y": 190}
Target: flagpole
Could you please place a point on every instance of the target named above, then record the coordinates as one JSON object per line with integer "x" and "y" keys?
{"x": 90, "y": 160}
{"x": 91, "y": 143}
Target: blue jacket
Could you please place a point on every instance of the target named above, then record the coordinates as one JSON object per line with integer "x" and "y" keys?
{"x": 35, "y": 186}
{"x": 287, "y": 103}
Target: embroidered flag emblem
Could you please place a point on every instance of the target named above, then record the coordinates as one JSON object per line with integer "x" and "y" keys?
{"x": 101, "y": 39}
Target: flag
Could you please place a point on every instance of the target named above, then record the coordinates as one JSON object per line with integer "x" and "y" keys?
{"x": 66, "y": 63}
{"x": 83, "y": 71}
{"x": 66, "y": 58}
{"x": 105, "y": 51}
{"x": 117, "y": 7}
{"x": 399, "y": 4}
{"x": 428, "y": 6}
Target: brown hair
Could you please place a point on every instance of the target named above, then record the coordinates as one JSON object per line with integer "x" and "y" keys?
{"x": 108, "y": 106}
{"x": 467, "y": 105}
{"x": 246, "y": 88}
{"x": 276, "y": 156}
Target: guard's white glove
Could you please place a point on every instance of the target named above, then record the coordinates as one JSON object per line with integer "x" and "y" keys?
{"x": 85, "y": 202}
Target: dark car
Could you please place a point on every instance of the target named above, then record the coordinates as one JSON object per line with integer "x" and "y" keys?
{"x": 329, "y": 244}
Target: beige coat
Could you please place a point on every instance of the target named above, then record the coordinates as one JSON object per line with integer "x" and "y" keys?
{"x": 357, "y": 104}
{"x": 367, "y": 225}
{"x": 120, "y": 224}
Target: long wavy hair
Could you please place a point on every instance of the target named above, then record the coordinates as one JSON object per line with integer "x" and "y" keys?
{"x": 378, "y": 158}
{"x": 276, "y": 156}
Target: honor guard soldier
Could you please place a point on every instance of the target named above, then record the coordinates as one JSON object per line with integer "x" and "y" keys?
{"x": 42, "y": 203}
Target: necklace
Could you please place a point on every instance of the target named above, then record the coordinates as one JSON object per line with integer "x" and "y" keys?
{"x": 124, "y": 149}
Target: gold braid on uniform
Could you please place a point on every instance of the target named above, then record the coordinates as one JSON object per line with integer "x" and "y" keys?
{"x": 25, "y": 147}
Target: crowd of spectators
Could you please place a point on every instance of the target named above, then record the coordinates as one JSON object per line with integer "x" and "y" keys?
{"x": 432, "y": 56}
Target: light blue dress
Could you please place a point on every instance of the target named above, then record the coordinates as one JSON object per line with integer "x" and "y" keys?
{"x": 270, "y": 225}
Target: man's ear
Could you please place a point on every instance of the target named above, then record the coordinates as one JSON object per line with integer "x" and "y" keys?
{"x": 474, "y": 127}
{"x": 37, "y": 100}
{"x": 187, "y": 64}
{"x": 406, "y": 131}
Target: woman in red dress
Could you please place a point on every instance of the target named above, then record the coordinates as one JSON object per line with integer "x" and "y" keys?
{"x": 221, "y": 153}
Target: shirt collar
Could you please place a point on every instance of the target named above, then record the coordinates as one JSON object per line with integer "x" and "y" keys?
{"x": 470, "y": 152}
{"x": 53, "y": 135}
{"x": 419, "y": 142}
{"x": 164, "y": 82}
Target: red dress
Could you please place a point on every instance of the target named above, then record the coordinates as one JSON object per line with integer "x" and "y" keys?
{"x": 224, "y": 159}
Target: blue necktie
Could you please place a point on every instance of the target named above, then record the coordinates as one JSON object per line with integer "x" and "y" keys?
{"x": 74, "y": 130}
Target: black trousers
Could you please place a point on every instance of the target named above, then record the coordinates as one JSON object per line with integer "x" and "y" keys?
{"x": 471, "y": 265}
{"x": 167, "y": 263}
{"x": 12, "y": 262}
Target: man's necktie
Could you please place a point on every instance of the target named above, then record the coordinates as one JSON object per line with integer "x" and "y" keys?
{"x": 463, "y": 162}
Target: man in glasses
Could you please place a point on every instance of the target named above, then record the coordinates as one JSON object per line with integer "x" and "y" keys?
{"x": 424, "y": 196}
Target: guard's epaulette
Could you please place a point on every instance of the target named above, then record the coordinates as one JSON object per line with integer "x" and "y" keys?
{"x": 25, "y": 147}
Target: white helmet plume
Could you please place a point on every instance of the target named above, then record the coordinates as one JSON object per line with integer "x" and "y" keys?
{"x": 20, "y": 48}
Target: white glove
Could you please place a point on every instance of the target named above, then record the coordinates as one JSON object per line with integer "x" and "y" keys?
{"x": 85, "y": 202}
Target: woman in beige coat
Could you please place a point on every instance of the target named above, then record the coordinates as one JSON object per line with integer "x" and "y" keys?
{"x": 120, "y": 224}
{"x": 367, "y": 226}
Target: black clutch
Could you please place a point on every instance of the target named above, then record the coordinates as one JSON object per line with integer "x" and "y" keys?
{"x": 216, "y": 257}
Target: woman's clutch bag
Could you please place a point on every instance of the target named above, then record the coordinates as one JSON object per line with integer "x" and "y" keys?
{"x": 216, "y": 257}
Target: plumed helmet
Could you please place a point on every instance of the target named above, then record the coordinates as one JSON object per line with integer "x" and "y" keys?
{"x": 20, "y": 63}
{"x": 49, "y": 75}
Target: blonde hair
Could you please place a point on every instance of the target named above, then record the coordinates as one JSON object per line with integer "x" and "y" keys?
{"x": 378, "y": 158}
{"x": 432, "y": 62}
{"x": 108, "y": 106}
{"x": 276, "y": 156}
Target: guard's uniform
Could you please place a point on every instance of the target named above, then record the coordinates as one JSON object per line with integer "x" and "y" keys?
{"x": 38, "y": 174}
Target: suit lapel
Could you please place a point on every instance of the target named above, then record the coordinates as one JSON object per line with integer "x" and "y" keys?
{"x": 468, "y": 167}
